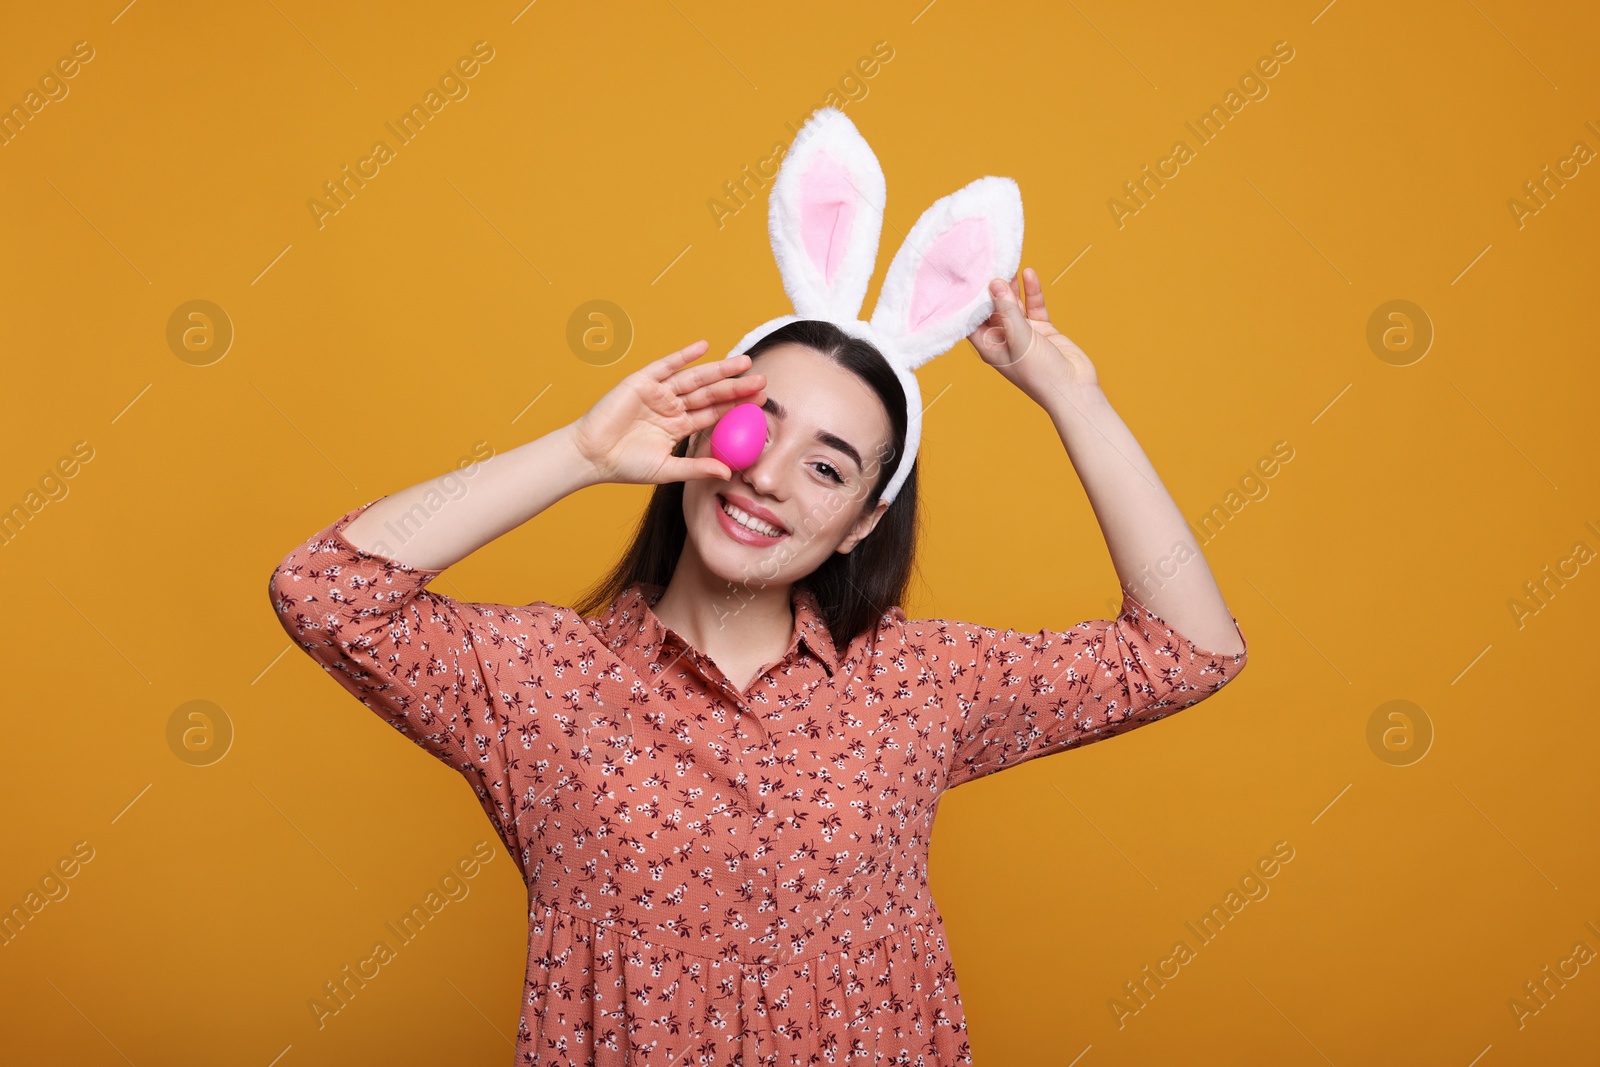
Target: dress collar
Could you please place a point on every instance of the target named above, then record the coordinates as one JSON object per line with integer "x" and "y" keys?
{"x": 631, "y": 619}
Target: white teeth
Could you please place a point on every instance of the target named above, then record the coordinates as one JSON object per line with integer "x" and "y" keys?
{"x": 750, "y": 522}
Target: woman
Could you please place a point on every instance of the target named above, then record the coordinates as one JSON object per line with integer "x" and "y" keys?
{"x": 719, "y": 773}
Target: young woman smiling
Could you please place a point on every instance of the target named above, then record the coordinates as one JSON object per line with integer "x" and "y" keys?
{"x": 718, "y": 772}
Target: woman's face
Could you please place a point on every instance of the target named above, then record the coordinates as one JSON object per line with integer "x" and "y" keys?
{"x": 806, "y": 482}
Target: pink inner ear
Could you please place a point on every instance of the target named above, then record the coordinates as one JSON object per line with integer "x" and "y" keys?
{"x": 958, "y": 266}
{"x": 827, "y": 211}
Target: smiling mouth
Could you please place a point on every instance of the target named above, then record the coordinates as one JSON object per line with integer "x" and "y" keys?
{"x": 748, "y": 522}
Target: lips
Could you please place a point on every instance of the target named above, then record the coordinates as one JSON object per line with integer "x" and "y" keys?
{"x": 743, "y": 534}
{"x": 750, "y": 507}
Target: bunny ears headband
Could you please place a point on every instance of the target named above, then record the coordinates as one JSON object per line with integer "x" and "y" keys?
{"x": 825, "y": 216}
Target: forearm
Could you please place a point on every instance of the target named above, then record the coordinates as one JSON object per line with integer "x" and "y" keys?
{"x": 439, "y": 522}
{"x": 1151, "y": 545}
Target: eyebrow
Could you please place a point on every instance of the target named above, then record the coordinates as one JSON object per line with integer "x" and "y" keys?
{"x": 833, "y": 441}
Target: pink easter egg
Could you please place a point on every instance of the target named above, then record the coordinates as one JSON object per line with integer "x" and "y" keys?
{"x": 739, "y": 436}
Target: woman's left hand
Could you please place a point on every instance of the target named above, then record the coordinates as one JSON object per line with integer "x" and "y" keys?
{"x": 1021, "y": 343}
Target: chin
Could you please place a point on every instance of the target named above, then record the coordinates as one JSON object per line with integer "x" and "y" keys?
{"x": 738, "y": 565}
{"x": 728, "y": 557}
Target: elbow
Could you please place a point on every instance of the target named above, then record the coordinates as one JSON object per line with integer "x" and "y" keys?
{"x": 285, "y": 586}
{"x": 286, "y": 605}
{"x": 299, "y": 603}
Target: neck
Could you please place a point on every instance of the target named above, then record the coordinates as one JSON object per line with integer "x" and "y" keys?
{"x": 725, "y": 620}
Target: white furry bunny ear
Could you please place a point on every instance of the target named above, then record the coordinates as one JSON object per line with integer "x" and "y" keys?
{"x": 825, "y": 216}
{"x": 937, "y": 288}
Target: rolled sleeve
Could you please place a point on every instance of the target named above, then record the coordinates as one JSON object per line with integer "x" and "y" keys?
{"x": 415, "y": 657}
{"x": 1020, "y": 695}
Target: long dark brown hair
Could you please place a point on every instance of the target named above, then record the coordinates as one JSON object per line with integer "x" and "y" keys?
{"x": 853, "y": 589}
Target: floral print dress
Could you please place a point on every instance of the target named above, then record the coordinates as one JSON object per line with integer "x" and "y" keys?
{"x": 719, "y": 877}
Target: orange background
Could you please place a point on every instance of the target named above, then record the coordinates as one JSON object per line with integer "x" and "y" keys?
{"x": 1228, "y": 314}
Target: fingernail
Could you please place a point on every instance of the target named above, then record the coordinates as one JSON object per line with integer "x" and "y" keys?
{"x": 996, "y": 288}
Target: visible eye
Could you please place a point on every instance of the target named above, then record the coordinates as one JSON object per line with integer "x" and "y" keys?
{"x": 832, "y": 474}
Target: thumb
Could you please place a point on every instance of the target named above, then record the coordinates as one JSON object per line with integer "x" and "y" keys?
{"x": 1005, "y": 302}
{"x": 684, "y": 469}
{"x": 1018, "y": 331}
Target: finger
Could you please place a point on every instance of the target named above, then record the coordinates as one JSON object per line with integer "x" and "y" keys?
{"x": 700, "y": 418}
{"x": 747, "y": 388}
{"x": 691, "y": 378}
{"x": 1019, "y": 334}
{"x": 990, "y": 341}
{"x": 1035, "y": 295}
{"x": 686, "y": 468}
{"x": 666, "y": 365}
{"x": 989, "y": 336}
{"x": 1006, "y": 304}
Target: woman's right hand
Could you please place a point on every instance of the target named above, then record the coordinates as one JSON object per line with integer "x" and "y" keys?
{"x": 630, "y": 432}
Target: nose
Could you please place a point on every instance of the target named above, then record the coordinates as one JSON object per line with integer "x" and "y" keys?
{"x": 765, "y": 474}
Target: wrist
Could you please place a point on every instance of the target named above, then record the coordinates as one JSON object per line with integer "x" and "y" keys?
{"x": 584, "y": 472}
{"x": 1070, "y": 403}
